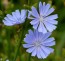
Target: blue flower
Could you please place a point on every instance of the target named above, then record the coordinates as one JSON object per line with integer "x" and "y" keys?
{"x": 17, "y": 17}
{"x": 42, "y": 20}
{"x": 38, "y": 43}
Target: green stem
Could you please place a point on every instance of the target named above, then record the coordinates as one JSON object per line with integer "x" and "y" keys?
{"x": 28, "y": 2}
{"x": 20, "y": 55}
{"x": 29, "y": 58}
{"x": 19, "y": 44}
{"x": 16, "y": 53}
{"x": 9, "y": 45}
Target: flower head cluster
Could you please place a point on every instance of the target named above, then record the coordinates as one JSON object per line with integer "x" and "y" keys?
{"x": 43, "y": 21}
{"x": 38, "y": 41}
{"x": 39, "y": 44}
{"x": 16, "y": 18}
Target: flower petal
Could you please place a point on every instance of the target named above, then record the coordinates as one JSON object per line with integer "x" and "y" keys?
{"x": 43, "y": 8}
{"x": 47, "y": 50}
{"x": 46, "y": 36}
{"x": 42, "y": 53}
{"x": 10, "y": 17}
{"x": 36, "y": 34}
{"x": 29, "y": 39}
{"x": 50, "y": 27}
{"x": 34, "y": 12}
{"x": 31, "y": 33}
{"x": 23, "y": 13}
{"x": 38, "y": 53}
{"x": 23, "y": 16}
{"x": 34, "y": 52}
{"x": 30, "y": 49}
{"x": 50, "y": 43}
{"x": 52, "y": 17}
{"x": 40, "y": 8}
{"x": 35, "y": 25}
{"x": 17, "y": 14}
{"x": 14, "y": 16}
{"x": 49, "y": 40}
{"x": 8, "y": 23}
{"x": 46, "y": 8}
{"x": 29, "y": 15}
{"x": 40, "y": 36}
{"x": 34, "y": 21}
{"x": 53, "y": 21}
{"x": 41, "y": 28}
{"x": 49, "y": 11}
{"x": 27, "y": 45}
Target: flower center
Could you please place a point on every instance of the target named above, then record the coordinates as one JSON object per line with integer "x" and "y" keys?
{"x": 41, "y": 18}
{"x": 37, "y": 43}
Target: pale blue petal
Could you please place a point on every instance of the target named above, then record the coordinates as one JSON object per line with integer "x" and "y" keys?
{"x": 47, "y": 50}
{"x": 40, "y": 8}
{"x": 23, "y": 13}
{"x": 29, "y": 15}
{"x": 50, "y": 11}
{"x": 23, "y": 16}
{"x": 36, "y": 35}
{"x": 27, "y": 45}
{"x": 42, "y": 53}
{"x": 10, "y": 17}
{"x": 34, "y": 21}
{"x": 49, "y": 44}
{"x": 34, "y": 52}
{"x": 30, "y": 49}
{"x": 29, "y": 39}
{"x": 46, "y": 8}
{"x": 46, "y": 36}
{"x": 38, "y": 53}
{"x": 50, "y": 49}
{"x": 35, "y": 26}
{"x": 34, "y": 12}
{"x": 31, "y": 33}
{"x": 49, "y": 40}
{"x": 52, "y": 21}
{"x": 7, "y": 23}
{"x": 8, "y": 20}
{"x": 52, "y": 17}
{"x": 40, "y": 36}
{"x": 31, "y": 36}
{"x": 50, "y": 27}
{"x": 17, "y": 14}
{"x": 43, "y": 8}
{"x": 41, "y": 28}
{"x": 14, "y": 16}
{"x": 17, "y": 20}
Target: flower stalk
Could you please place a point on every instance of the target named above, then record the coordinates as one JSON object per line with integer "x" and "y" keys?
{"x": 19, "y": 44}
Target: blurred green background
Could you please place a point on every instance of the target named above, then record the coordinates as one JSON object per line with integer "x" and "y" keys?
{"x": 9, "y": 36}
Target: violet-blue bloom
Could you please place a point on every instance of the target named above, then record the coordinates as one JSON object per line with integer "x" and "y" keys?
{"x": 43, "y": 21}
{"x": 38, "y": 44}
{"x": 17, "y": 17}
